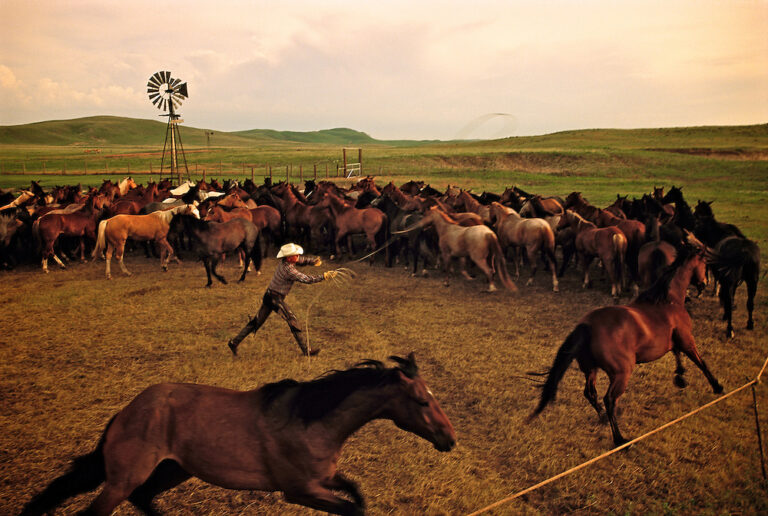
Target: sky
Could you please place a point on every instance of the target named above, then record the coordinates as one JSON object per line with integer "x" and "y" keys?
{"x": 394, "y": 69}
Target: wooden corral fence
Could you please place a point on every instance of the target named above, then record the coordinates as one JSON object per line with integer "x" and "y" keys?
{"x": 120, "y": 166}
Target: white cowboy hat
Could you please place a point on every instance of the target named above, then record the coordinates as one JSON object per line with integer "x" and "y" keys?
{"x": 290, "y": 250}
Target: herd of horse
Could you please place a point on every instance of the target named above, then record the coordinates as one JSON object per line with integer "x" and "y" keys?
{"x": 656, "y": 243}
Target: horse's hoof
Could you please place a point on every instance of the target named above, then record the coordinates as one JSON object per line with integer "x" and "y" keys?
{"x": 680, "y": 382}
{"x": 717, "y": 388}
{"x": 750, "y": 325}
{"x": 529, "y": 282}
{"x": 729, "y": 334}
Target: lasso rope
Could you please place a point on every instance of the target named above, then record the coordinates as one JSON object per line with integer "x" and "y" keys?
{"x": 342, "y": 277}
{"x": 619, "y": 448}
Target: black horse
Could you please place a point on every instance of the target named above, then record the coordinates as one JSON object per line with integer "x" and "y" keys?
{"x": 733, "y": 261}
{"x": 210, "y": 240}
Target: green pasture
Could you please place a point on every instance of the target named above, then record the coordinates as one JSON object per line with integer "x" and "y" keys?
{"x": 728, "y": 165}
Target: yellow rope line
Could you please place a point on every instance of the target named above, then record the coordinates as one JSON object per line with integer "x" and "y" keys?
{"x": 625, "y": 445}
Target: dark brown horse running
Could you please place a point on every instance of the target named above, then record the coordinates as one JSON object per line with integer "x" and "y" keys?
{"x": 286, "y": 436}
{"x": 616, "y": 338}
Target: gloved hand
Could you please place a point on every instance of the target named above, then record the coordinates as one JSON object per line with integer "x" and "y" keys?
{"x": 318, "y": 262}
{"x": 330, "y": 275}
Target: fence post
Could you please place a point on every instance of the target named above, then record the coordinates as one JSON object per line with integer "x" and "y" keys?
{"x": 759, "y": 435}
{"x": 251, "y": 174}
{"x": 270, "y": 172}
{"x": 24, "y": 166}
{"x": 221, "y": 168}
{"x": 129, "y": 168}
{"x": 64, "y": 168}
{"x": 301, "y": 173}
{"x": 106, "y": 166}
{"x": 43, "y": 167}
{"x": 85, "y": 167}
{"x": 315, "y": 168}
{"x": 326, "y": 170}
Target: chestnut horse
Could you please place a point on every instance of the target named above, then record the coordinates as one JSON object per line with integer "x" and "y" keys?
{"x": 609, "y": 244}
{"x": 476, "y": 242}
{"x": 285, "y": 436}
{"x": 79, "y": 223}
{"x": 114, "y": 231}
{"x": 534, "y": 235}
{"x": 349, "y": 220}
{"x": 616, "y": 338}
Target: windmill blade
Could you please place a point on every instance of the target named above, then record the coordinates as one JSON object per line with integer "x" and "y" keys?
{"x": 153, "y": 96}
{"x": 182, "y": 90}
{"x": 158, "y": 101}
{"x": 166, "y": 76}
{"x": 174, "y": 82}
{"x": 156, "y": 79}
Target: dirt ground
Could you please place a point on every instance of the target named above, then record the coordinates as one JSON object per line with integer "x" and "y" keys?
{"x": 76, "y": 348}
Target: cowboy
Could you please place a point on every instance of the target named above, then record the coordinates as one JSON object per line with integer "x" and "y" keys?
{"x": 274, "y": 298}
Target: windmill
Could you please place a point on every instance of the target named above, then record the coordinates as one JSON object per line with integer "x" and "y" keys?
{"x": 167, "y": 93}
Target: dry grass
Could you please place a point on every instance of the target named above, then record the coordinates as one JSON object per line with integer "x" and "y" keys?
{"x": 76, "y": 348}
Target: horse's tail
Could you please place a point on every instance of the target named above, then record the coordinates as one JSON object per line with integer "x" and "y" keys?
{"x": 256, "y": 255}
{"x": 657, "y": 262}
{"x": 382, "y": 238}
{"x": 620, "y": 248}
{"x": 101, "y": 239}
{"x": 36, "y": 235}
{"x": 575, "y": 342}
{"x": 497, "y": 255}
{"x": 549, "y": 247}
{"x": 85, "y": 474}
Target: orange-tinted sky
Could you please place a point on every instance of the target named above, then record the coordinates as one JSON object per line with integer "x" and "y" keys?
{"x": 395, "y": 69}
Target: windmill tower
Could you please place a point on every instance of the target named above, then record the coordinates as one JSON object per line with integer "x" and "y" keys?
{"x": 167, "y": 94}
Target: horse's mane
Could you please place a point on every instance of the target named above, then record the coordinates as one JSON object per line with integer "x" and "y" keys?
{"x": 314, "y": 399}
{"x": 658, "y": 293}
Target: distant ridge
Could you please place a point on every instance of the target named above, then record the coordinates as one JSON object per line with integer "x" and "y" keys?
{"x": 113, "y": 130}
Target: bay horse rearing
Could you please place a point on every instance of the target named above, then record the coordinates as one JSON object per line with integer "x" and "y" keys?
{"x": 476, "y": 242}
{"x": 285, "y": 436}
{"x": 211, "y": 240}
{"x": 616, "y": 338}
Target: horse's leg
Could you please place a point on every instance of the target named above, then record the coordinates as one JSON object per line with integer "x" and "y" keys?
{"x": 683, "y": 340}
{"x": 132, "y": 470}
{"x": 318, "y": 497}
{"x": 615, "y": 390}
{"x": 207, "y": 264}
{"x": 679, "y": 370}
{"x": 609, "y": 266}
{"x": 214, "y": 263}
{"x": 167, "y": 475}
{"x": 463, "y": 265}
{"x": 751, "y": 291}
{"x": 165, "y": 250}
{"x": 727, "y": 291}
{"x": 247, "y": 264}
{"x": 532, "y": 251}
{"x": 445, "y": 255}
{"x": 340, "y": 483}
{"x": 586, "y": 262}
{"x": 108, "y": 258}
{"x": 590, "y": 391}
{"x": 120, "y": 254}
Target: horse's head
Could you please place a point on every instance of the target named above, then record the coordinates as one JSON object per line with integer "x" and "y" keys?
{"x": 416, "y": 410}
{"x": 675, "y": 194}
{"x": 703, "y": 209}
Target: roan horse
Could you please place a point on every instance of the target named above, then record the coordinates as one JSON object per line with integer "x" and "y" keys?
{"x": 211, "y": 240}
{"x": 534, "y": 235}
{"x": 476, "y": 242}
{"x": 114, "y": 231}
{"x": 615, "y": 338}
{"x": 286, "y": 436}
